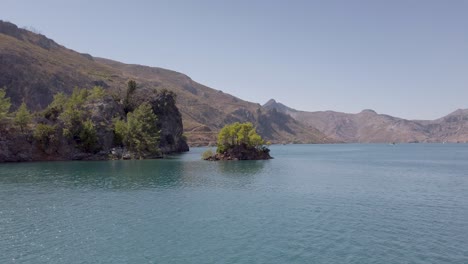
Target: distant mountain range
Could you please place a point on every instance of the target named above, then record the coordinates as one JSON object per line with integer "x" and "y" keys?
{"x": 33, "y": 68}
{"x": 370, "y": 127}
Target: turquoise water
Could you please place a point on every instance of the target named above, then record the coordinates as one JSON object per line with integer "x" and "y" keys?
{"x": 311, "y": 204}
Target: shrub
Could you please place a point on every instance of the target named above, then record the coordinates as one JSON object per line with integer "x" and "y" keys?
{"x": 120, "y": 132}
{"x": 88, "y": 137}
{"x": 22, "y": 117}
{"x": 96, "y": 93}
{"x": 238, "y": 134}
{"x": 73, "y": 114}
{"x": 55, "y": 108}
{"x": 139, "y": 134}
{"x": 45, "y": 135}
{"x": 207, "y": 154}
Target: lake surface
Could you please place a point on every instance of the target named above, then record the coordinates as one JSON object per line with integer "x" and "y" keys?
{"x": 351, "y": 203}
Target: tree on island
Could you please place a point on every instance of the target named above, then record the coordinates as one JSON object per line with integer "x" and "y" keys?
{"x": 239, "y": 141}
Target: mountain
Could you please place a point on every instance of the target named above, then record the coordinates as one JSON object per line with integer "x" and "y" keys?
{"x": 272, "y": 104}
{"x": 450, "y": 128}
{"x": 34, "y": 68}
{"x": 371, "y": 127}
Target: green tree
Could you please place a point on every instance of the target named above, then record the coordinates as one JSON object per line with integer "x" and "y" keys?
{"x": 255, "y": 140}
{"x": 45, "y": 135}
{"x": 5, "y": 104}
{"x": 88, "y": 137}
{"x": 78, "y": 97}
{"x": 60, "y": 100}
{"x": 55, "y": 108}
{"x": 131, "y": 88}
{"x": 224, "y": 139}
{"x": 96, "y": 93}
{"x": 207, "y": 154}
{"x": 139, "y": 134}
{"x": 238, "y": 134}
{"x": 120, "y": 132}
{"x": 22, "y": 117}
{"x": 243, "y": 133}
{"x": 73, "y": 114}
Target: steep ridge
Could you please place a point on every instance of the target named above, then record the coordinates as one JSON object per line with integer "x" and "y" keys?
{"x": 370, "y": 127}
{"x": 34, "y": 68}
{"x": 450, "y": 128}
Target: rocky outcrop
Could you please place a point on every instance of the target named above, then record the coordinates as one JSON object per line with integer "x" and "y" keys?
{"x": 163, "y": 103}
{"x": 16, "y": 145}
{"x": 242, "y": 152}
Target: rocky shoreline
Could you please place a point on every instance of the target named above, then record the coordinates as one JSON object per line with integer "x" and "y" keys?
{"x": 44, "y": 138}
{"x": 241, "y": 153}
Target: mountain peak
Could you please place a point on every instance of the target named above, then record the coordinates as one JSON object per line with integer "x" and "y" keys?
{"x": 273, "y": 104}
{"x": 14, "y": 31}
{"x": 368, "y": 111}
{"x": 459, "y": 112}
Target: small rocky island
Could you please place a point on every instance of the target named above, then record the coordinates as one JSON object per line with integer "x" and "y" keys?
{"x": 239, "y": 141}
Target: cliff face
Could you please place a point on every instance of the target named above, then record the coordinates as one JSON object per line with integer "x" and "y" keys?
{"x": 169, "y": 121}
{"x": 26, "y": 145}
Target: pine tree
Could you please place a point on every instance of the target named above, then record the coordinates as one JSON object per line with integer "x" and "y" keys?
{"x": 139, "y": 134}
{"x": 22, "y": 117}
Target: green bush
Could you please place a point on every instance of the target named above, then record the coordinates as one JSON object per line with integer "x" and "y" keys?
{"x": 44, "y": 134}
{"x": 96, "y": 93}
{"x": 120, "y": 132}
{"x": 72, "y": 114}
{"x": 207, "y": 154}
{"x": 238, "y": 134}
{"x": 22, "y": 117}
{"x": 88, "y": 137}
{"x": 55, "y": 108}
{"x": 139, "y": 134}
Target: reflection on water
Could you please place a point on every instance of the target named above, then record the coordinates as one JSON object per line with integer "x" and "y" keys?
{"x": 129, "y": 174}
{"x": 311, "y": 204}
{"x": 241, "y": 168}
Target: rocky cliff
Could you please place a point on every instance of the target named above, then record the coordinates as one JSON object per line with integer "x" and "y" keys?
{"x": 45, "y": 137}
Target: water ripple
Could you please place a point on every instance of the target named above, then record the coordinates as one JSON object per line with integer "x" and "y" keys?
{"x": 311, "y": 204}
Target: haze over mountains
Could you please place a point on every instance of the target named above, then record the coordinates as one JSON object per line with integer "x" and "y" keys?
{"x": 371, "y": 127}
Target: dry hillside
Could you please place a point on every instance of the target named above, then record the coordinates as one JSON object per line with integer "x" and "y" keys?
{"x": 34, "y": 68}
{"x": 370, "y": 127}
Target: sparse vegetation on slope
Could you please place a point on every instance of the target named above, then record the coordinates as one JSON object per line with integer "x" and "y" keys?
{"x": 35, "y": 68}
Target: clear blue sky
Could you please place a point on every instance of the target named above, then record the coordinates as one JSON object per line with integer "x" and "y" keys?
{"x": 404, "y": 58}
